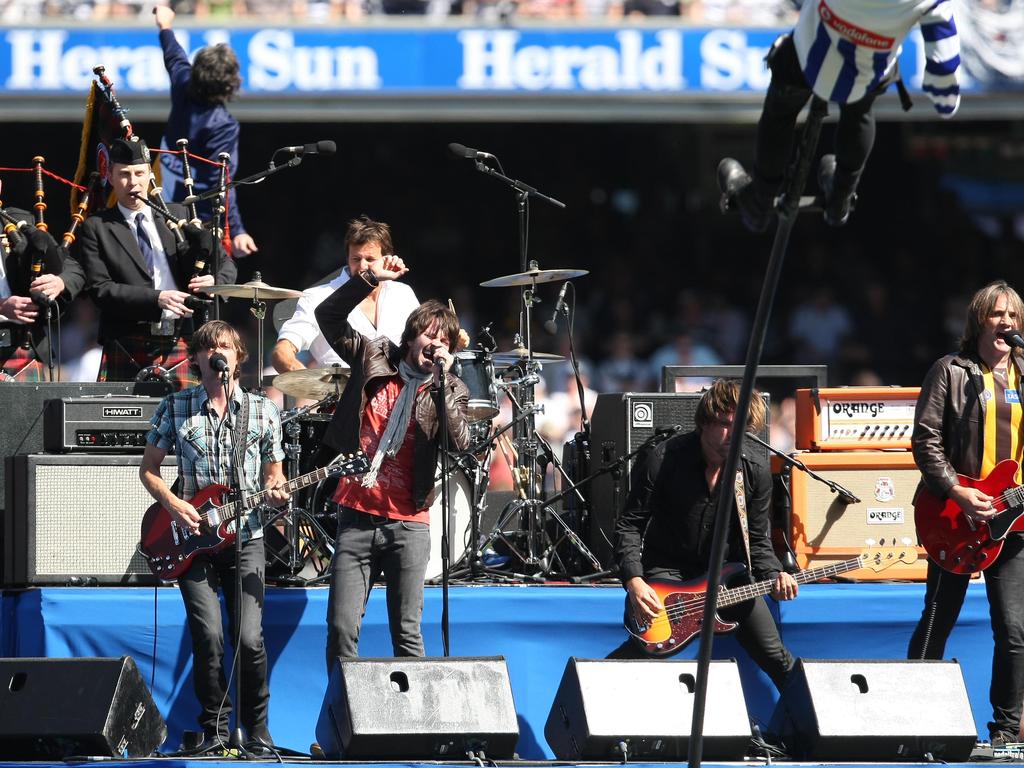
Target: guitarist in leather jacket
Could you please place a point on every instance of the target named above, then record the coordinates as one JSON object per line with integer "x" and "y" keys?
{"x": 665, "y": 531}
{"x": 968, "y": 418}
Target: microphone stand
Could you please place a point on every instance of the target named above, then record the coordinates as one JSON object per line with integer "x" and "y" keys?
{"x": 253, "y": 179}
{"x": 236, "y": 734}
{"x": 446, "y": 509}
{"x": 844, "y": 494}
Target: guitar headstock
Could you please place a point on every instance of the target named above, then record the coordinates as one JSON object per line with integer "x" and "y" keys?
{"x": 881, "y": 557}
{"x": 347, "y": 464}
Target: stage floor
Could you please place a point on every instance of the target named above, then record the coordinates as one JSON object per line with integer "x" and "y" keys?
{"x": 536, "y": 628}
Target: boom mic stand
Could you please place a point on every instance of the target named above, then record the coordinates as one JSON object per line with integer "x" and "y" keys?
{"x": 446, "y": 507}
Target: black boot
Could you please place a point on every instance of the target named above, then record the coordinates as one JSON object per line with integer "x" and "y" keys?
{"x": 753, "y": 197}
{"x": 840, "y": 190}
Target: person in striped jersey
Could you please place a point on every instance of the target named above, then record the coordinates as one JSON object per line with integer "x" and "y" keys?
{"x": 969, "y": 418}
{"x": 843, "y": 51}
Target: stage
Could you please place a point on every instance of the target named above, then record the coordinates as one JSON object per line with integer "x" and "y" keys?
{"x": 536, "y": 628}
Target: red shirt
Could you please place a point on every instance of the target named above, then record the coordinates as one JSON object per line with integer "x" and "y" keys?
{"x": 392, "y": 496}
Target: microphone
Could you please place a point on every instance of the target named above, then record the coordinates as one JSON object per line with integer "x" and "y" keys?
{"x": 1013, "y": 338}
{"x": 219, "y": 363}
{"x": 551, "y": 326}
{"x": 669, "y": 430}
{"x": 326, "y": 147}
{"x": 461, "y": 150}
{"x": 42, "y": 299}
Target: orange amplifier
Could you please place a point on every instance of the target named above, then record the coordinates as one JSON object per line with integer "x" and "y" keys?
{"x": 855, "y": 418}
{"x": 826, "y": 530}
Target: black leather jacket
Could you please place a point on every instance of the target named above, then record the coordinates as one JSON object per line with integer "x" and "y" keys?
{"x": 949, "y": 422}
{"x": 374, "y": 360}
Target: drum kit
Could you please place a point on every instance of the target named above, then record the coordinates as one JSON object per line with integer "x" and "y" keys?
{"x": 529, "y": 534}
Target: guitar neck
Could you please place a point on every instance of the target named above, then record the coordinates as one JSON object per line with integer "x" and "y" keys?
{"x": 291, "y": 487}
{"x": 750, "y": 591}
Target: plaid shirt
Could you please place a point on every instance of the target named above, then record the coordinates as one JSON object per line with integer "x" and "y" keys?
{"x": 202, "y": 442}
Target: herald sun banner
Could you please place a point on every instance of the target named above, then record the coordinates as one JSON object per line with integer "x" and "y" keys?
{"x": 302, "y": 61}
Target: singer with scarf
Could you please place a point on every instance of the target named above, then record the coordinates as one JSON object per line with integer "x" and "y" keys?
{"x": 389, "y": 409}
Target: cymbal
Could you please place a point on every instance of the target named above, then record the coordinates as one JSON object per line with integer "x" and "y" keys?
{"x": 254, "y": 289}
{"x": 313, "y": 383}
{"x": 533, "y": 276}
{"x": 519, "y": 354}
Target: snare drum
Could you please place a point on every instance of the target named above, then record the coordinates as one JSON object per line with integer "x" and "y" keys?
{"x": 475, "y": 369}
{"x": 460, "y": 493}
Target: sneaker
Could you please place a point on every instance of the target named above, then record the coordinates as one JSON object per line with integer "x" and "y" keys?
{"x": 840, "y": 193}
{"x": 752, "y": 197}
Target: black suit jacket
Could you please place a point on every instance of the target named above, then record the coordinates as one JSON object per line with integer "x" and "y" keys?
{"x": 117, "y": 276}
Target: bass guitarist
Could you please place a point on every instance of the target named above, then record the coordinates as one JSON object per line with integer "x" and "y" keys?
{"x": 665, "y": 531}
{"x": 968, "y": 419}
{"x": 196, "y": 424}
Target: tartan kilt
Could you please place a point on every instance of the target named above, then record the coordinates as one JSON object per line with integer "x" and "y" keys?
{"x": 125, "y": 358}
{"x": 20, "y": 364}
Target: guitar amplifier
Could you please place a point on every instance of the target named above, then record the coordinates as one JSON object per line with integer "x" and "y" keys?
{"x": 111, "y": 424}
{"x": 855, "y": 418}
{"x": 74, "y": 520}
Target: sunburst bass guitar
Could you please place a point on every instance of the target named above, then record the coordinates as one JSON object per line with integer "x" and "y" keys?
{"x": 682, "y": 611}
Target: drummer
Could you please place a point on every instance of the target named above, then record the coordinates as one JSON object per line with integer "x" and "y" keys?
{"x": 140, "y": 278}
{"x": 382, "y": 313}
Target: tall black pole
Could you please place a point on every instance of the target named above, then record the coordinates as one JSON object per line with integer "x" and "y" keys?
{"x": 788, "y": 210}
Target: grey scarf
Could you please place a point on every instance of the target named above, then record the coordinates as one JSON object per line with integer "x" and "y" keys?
{"x": 398, "y": 421}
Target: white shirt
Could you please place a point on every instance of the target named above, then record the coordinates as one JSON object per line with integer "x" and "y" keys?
{"x": 395, "y": 303}
{"x": 163, "y": 278}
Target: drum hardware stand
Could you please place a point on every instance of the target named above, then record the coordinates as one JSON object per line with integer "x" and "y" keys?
{"x": 295, "y": 514}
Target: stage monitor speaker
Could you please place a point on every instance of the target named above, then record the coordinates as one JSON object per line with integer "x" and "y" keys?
{"x": 73, "y": 519}
{"x": 620, "y": 424}
{"x": 857, "y": 711}
{"x": 596, "y": 710}
{"x": 418, "y": 709}
{"x": 22, "y": 403}
{"x": 55, "y": 709}
{"x": 826, "y": 530}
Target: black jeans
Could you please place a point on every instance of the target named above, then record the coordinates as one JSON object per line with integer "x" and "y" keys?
{"x": 199, "y": 589}
{"x": 787, "y": 94}
{"x": 1004, "y": 586}
{"x": 756, "y": 633}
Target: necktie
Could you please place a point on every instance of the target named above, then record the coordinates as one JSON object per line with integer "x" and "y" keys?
{"x": 144, "y": 243}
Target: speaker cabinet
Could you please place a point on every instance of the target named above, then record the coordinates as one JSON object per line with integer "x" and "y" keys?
{"x": 74, "y": 519}
{"x": 620, "y": 424}
{"x": 54, "y": 709}
{"x": 876, "y": 711}
{"x": 598, "y": 708}
{"x": 825, "y": 529}
{"x": 22, "y": 403}
{"x": 418, "y": 708}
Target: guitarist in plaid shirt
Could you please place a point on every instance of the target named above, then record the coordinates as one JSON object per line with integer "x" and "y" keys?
{"x": 193, "y": 423}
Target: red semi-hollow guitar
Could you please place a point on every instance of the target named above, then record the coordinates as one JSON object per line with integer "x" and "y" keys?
{"x": 960, "y": 545}
{"x": 682, "y": 611}
{"x": 170, "y": 546}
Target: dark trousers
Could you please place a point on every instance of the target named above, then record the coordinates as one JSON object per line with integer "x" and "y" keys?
{"x": 366, "y": 547}
{"x": 1004, "y": 586}
{"x": 787, "y": 94}
{"x": 756, "y": 633}
{"x": 199, "y": 587}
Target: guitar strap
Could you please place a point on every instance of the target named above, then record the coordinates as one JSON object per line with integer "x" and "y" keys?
{"x": 741, "y": 511}
{"x": 238, "y": 446}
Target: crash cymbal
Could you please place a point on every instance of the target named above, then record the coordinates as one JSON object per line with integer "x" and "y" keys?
{"x": 313, "y": 383}
{"x": 519, "y": 354}
{"x": 533, "y": 276}
{"x": 254, "y": 289}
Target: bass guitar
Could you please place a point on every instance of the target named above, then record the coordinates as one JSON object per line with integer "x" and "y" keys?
{"x": 169, "y": 546}
{"x": 682, "y": 602}
{"x": 958, "y": 544}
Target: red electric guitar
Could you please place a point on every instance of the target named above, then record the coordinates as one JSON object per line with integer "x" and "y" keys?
{"x": 682, "y": 611}
{"x": 959, "y": 545}
{"x": 169, "y": 546}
